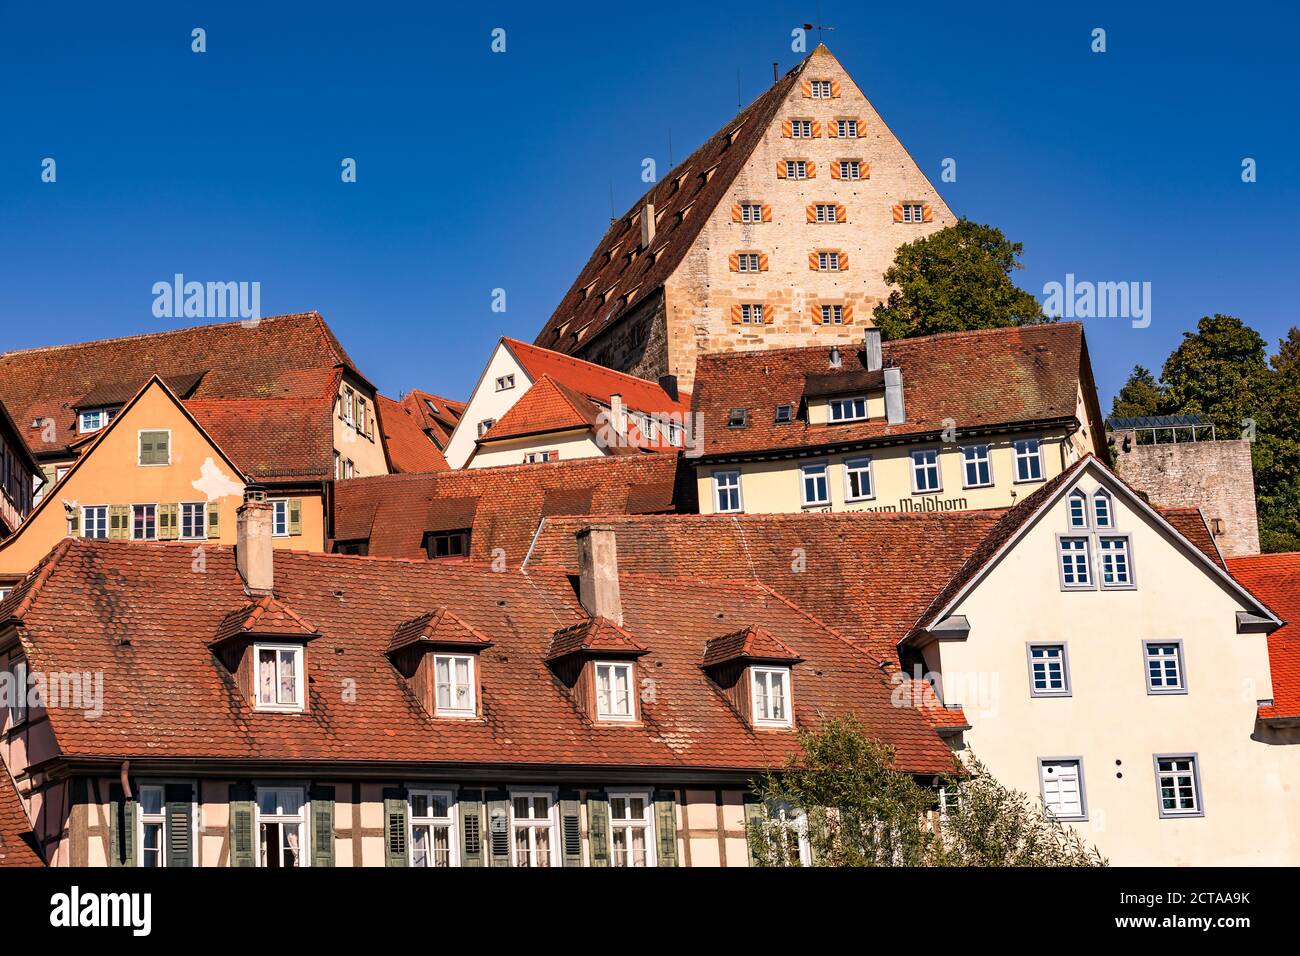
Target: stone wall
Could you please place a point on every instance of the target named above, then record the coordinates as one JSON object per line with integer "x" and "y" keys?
{"x": 1214, "y": 476}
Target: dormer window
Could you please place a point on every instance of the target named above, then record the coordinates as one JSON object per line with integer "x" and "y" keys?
{"x": 505, "y": 382}
{"x": 614, "y": 697}
{"x": 784, "y": 414}
{"x": 738, "y": 418}
{"x": 848, "y": 409}
{"x": 93, "y": 419}
{"x": 1102, "y": 512}
{"x": 1078, "y": 510}
{"x": 279, "y": 676}
{"x": 771, "y": 696}
{"x": 454, "y": 685}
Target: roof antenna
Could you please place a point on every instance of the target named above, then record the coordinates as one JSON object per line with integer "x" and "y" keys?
{"x": 776, "y": 72}
{"x": 817, "y": 26}
{"x": 740, "y": 100}
{"x": 613, "y": 217}
{"x": 670, "y": 147}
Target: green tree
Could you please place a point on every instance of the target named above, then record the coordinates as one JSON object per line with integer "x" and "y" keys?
{"x": 842, "y": 790}
{"x": 1141, "y": 396}
{"x": 955, "y": 279}
{"x": 1276, "y": 452}
{"x": 1220, "y": 371}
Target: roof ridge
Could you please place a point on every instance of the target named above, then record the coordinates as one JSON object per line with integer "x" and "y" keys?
{"x": 593, "y": 367}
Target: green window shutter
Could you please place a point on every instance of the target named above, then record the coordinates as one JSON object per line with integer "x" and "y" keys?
{"x": 214, "y": 520}
{"x": 121, "y": 827}
{"x": 163, "y": 449}
{"x": 119, "y": 521}
{"x": 471, "y": 827}
{"x": 570, "y": 828}
{"x": 754, "y": 819}
{"x": 370, "y": 422}
{"x": 498, "y": 804}
{"x": 295, "y": 515}
{"x": 322, "y": 825}
{"x": 155, "y": 448}
{"x": 242, "y": 850}
{"x": 395, "y": 851}
{"x": 168, "y": 519}
{"x": 666, "y": 826}
{"x": 598, "y": 827}
{"x": 179, "y": 810}
{"x": 74, "y": 523}
{"x": 146, "y": 448}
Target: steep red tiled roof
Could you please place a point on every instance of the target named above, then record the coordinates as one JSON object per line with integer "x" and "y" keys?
{"x": 857, "y": 571}
{"x": 547, "y": 406}
{"x": 981, "y": 378}
{"x": 1275, "y": 580}
{"x": 749, "y": 643}
{"x": 17, "y": 842}
{"x": 596, "y": 300}
{"x": 265, "y": 617}
{"x": 278, "y": 439}
{"x": 173, "y": 700}
{"x": 437, "y": 415}
{"x": 594, "y": 635}
{"x": 1190, "y": 523}
{"x": 410, "y": 450}
{"x": 285, "y": 356}
{"x": 438, "y": 628}
{"x": 597, "y": 382}
{"x": 504, "y": 504}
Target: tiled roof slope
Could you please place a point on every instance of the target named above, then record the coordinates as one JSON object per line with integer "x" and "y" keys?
{"x": 547, "y": 406}
{"x": 980, "y": 378}
{"x": 283, "y": 356}
{"x": 437, "y": 415}
{"x": 1190, "y": 523}
{"x": 1275, "y": 580}
{"x": 173, "y": 700}
{"x": 584, "y": 315}
{"x": 17, "y": 843}
{"x": 596, "y": 381}
{"x": 410, "y": 449}
{"x": 277, "y": 439}
{"x": 857, "y": 571}
{"x": 505, "y": 504}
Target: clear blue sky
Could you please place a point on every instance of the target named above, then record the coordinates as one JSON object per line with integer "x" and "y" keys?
{"x": 478, "y": 171}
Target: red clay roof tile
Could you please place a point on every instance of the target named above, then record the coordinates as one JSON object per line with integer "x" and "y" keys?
{"x": 1275, "y": 580}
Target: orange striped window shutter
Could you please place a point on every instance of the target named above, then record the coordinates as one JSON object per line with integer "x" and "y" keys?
{"x": 735, "y": 314}
{"x": 769, "y": 313}
{"x": 812, "y": 261}
{"x": 927, "y": 213}
{"x": 835, "y": 89}
{"x": 812, "y": 169}
{"x": 812, "y": 212}
{"x": 841, "y": 213}
{"x": 835, "y": 170}
{"x": 762, "y": 262}
{"x": 767, "y": 213}
{"x": 787, "y": 128}
{"x": 816, "y": 129}
{"x": 735, "y": 212}
{"x": 807, "y": 89}
{"x": 844, "y": 261}
{"x": 733, "y": 261}
{"x": 780, "y": 169}
{"x": 848, "y": 313}
{"x": 898, "y": 212}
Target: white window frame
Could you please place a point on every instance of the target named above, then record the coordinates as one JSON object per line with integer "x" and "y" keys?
{"x": 986, "y": 459}
{"x": 751, "y": 212}
{"x": 1077, "y": 497}
{"x": 913, "y": 212}
{"x": 793, "y": 822}
{"x": 764, "y": 674}
{"x": 810, "y": 473}
{"x": 751, "y": 313}
{"x": 101, "y": 513}
{"x": 624, "y": 667}
{"x": 748, "y": 262}
{"x": 146, "y": 508}
{"x": 505, "y": 382}
{"x": 820, "y": 89}
{"x": 17, "y": 713}
{"x": 796, "y": 169}
{"x": 828, "y": 261}
{"x": 451, "y": 821}
{"x": 349, "y": 401}
{"x": 832, "y": 313}
{"x": 1097, "y": 521}
{"x": 1024, "y": 455}
{"x": 1082, "y": 815}
{"x": 836, "y": 408}
{"x": 1129, "y": 582}
{"x": 454, "y": 687}
{"x": 843, "y": 127}
{"x": 1194, "y": 770}
{"x": 279, "y": 517}
{"x": 718, "y": 489}
{"x": 151, "y": 819}
{"x": 801, "y": 129}
{"x": 202, "y": 529}
{"x": 920, "y": 465}
{"x": 1064, "y": 660}
{"x": 1177, "y": 658}
{"x": 300, "y": 818}
{"x": 825, "y": 212}
{"x": 534, "y": 824}
{"x": 299, "y": 658}
{"x": 629, "y": 824}
{"x": 850, "y": 169}
{"x": 485, "y": 426}
{"x": 861, "y": 465}
{"x": 1061, "y": 550}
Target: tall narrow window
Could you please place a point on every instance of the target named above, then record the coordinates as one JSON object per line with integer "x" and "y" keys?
{"x": 925, "y": 471}
{"x": 771, "y": 690}
{"x": 1062, "y": 789}
{"x": 433, "y": 829}
{"x": 280, "y": 824}
{"x": 814, "y": 485}
{"x": 1164, "y": 667}
{"x": 1103, "y": 513}
{"x": 153, "y": 827}
{"x": 194, "y": 522}
{"x": 977, "y": 472}
{"x": 533, "y": 829}
{"x": 726, "y": 491}
{"x": 94, "y": 521}
{"x": 631, "y": 830}
{"x": 1178, "y": 785}
{"x": 1029, "y": 460}
{"x": 791, "y": 830}
{"x": 857, "y": 476}
{"x": 1076, "y": 569}
{"x": 614, "y": 692}
{"x": 454, "y": 680}
{"x": 144, "y": 522}
{"x": 1078, "y": 509}
{"x": 280, "y": 518}
{"x": 17, "y": 709}
{"x": 1116, "y": 563}
{"x": 279, "y": 676}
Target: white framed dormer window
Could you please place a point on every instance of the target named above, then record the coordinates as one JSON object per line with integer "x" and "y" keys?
{"x": 1061, "y": 787}
{"x": 814, "y": 485}
{"x": 152, "y": 826}
{"x": 1103, "y": 510}
{"x": 194, "y": 520}
{"x": 532, "y": 822}
{"x": 848, "y": 409}
{"x": 1163, "y": 663}
{"x": 770, "y": 687}
{"x": 925, "y": 471}
{"x": 821, "y": 89}
{"x": 726, "y": 492}
{"x": 850, "y": 169}
{"x": 279, "y": 676}
{"x": 1078, "y": 510}
{"x": 615, "y": 692}
{"x": 155, "y": 447}
{"x": 93, "y": 419}
{"x": 858, "y": 483}
{"x": 433, "y": 828}
{"x": 349, "y": 405}
{"x": 631, "y": 829}
{"x": 281, "y": 826}
{"x": 280, "y": 518}
{"x": 1049, "y": 670}
{"x": 1074, "y": 562}
{"x": 1178, "y": 785}
{"x": 453, "y": 677}
{"x": 144, "y": 522}
{"x": 94, "y": 521}
{"x": 1029, "y": 460}
{"x": 505, "y": 383}
{"x": 17, "y": 709}
{"x": 1116, "y": 561}
{"x": 977, "y": 469}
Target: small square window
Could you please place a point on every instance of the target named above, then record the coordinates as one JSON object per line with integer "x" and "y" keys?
{"x": 1062, "y": 788}
{"x": 847, "y": 128}
{"x": 784, "y": 414}
{"x": 1163, "y": 662}
{"x": 828, "y": 262}
{"x": 832, "y": 314}
{"x": 726, "y": 492}
{"x": 279, "y": 676}
{"x": 615, "y": 692}
{"x": 925, "y": 471}
{"x": 738, "y": 418}
{"x": 771, "y": 696}
{"x": 814, "y": 485}
{"x": 850, "y": 169}
{"x": 155, "y": 448}
{"x": 453, "y": 678}
{"x": 825, "y": 212}
{"x": 751, "y": 313}
{"x": 447, "y": 544}
{"x": 1049, "y": 671}
{"x": 821, "y": 89}
{"x": 796, "y": 169}
{"x": 913, "y": 212}
{"x": 801, "y": 129}
{"x": 1178, "y": 785}
{"x": 1075, "y": 563}
{"x": 505, "y": 382}
{"x": 484, "y": 425}
{"x": 748, "y": 262}
{"x": 751, "y": 212}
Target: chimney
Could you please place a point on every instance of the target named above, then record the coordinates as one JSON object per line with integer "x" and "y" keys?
{"x": 616, "y": 418}
{"x": 598, "y": 573}
{"x": 253, "y": 541}
{"x": 835, "y": 361}
{"x": 895, "y": 414}
{"x": 669, "y": 384}
{"x": 647, "y": 225}
{"x": 871, "y": 346}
